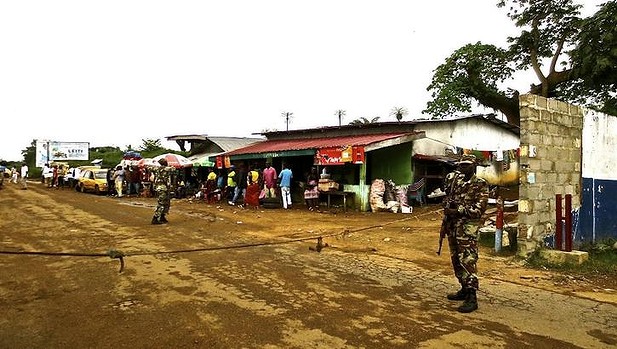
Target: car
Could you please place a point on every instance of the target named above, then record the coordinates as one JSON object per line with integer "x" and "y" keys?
{"x": 92, "y": 180}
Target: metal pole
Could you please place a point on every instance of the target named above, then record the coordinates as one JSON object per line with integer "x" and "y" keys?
{"x": 568, "y": 217}
{"x": 499, "y": 225}
{"x": 558, "y": 223}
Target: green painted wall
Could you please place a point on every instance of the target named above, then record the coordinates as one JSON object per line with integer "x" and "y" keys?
{"x": 391, "y": 163}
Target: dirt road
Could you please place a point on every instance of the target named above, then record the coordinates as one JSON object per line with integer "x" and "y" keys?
{"x": 225, "y": 277}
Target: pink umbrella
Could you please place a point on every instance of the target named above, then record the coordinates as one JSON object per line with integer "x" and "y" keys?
{"x": 147, "y": 162}
{"x": 175, "y": 160}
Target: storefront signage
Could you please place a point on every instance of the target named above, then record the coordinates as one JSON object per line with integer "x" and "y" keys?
{"x": 339, "y": 155}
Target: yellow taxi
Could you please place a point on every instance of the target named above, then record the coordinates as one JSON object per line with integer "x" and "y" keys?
{"x": 92, "y": 180}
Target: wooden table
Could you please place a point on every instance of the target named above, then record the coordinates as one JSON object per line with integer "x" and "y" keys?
{"x": 343, "y": 194}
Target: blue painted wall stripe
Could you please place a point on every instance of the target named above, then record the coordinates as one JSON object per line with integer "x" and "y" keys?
{"x": 598, "y": 212}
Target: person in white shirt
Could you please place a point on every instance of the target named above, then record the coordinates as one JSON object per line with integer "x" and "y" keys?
{"x": 47, "y": 174}
{"x": 14, "y": 175}
{"x": 24, "y": 176}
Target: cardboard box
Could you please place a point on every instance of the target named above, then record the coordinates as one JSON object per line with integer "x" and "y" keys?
{"x": 327, "y": 185}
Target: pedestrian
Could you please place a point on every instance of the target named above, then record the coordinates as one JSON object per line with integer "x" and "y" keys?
{"x": 241, "y": 184}
{"x": 133, "y": 178}
{"x": 210, "y": 186}
{"x": 162, "y": 180}
{"x": 231, "y": 184}
{"x": 77, "y": 175}
{"x": 24, "y": 176}
{"x": 47, "y": 175}
{"x": 54, "y": 179}
{"x": 464, "y": 206}
{"x": 286, "y": 176}
{"x": 253, "y": 188}
{"x": 311, "y": 192}
{"x": 61, "y": 175}
{"x": 111, "y": 187}
{"x": 14, "y": 175}
{"x": 270, "y": 175}
{"x": 118, "y": 178}
{"x": 69, "y": 176}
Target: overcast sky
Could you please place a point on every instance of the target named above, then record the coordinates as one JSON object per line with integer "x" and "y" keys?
{"x": 115, "y": 72}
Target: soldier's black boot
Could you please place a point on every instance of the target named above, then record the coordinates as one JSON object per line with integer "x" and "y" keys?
{"x": 156, "y": 220}
{"x": 460, "y": 295}
{"x": 163, "y": 219}
{"x": 471, "y": 302}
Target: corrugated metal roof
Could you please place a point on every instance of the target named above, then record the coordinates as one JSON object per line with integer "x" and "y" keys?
{"x": 231, "y": 143}
{"x": 314, "y": 143}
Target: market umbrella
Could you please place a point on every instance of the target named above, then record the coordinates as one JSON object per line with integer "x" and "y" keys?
{"x": 131, "y": 155}
{"x": 147, "y": 162}
{"x": 175, "y": 160}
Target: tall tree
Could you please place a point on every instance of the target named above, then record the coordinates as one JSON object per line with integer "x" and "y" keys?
{"x": 340, "y": 113}
{"x": 595, "y": 61}
{"x": 287, "y": 116}
{"x": 554, "y": 42}
{"x": 399, "y": 113}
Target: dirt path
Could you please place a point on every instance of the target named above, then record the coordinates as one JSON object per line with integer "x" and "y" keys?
{"x": 379, "y": 284}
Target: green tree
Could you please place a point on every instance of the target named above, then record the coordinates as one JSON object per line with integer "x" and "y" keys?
{"x": 595, "y": 61}
{"x": 399, "y": 113}
{"x": 363, "y": 121}
{"x": 554, "y": 42}
{"x": 150, "y": 145}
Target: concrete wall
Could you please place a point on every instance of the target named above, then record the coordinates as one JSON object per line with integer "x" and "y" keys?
{"x": 464, "y": 133}
{"x": 596, "y": 218}
{"x": 551, "y": 136}
{"x": 475, "y": 134}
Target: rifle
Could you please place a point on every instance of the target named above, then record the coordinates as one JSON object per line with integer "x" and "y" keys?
{"x": 442, "y": 232}
{"x": 444, "y": 222}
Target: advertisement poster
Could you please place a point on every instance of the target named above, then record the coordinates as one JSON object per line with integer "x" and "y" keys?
{"x": 47, "y": 151}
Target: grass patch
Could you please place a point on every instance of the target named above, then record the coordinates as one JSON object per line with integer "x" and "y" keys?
{"x": 602, "y": 260}
{"x": 487, "y": 240}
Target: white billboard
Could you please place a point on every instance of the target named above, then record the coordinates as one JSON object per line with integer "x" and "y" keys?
{"x": 47, "y": 151}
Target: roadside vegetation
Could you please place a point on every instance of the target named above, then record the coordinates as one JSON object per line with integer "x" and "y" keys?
{"x": 602, "y": 260}
{"x": 601, "y": 265}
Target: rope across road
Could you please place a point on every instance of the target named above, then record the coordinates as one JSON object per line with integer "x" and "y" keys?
{"x": 117, "y": 254}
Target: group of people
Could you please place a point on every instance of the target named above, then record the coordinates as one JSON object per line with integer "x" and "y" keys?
{"x": 248, "y": 186}
{"x": 18, "y": 176}
{"x": 255, "y": 186}
{"x": 127, "y": 180}
{"x": 59, "y": 176}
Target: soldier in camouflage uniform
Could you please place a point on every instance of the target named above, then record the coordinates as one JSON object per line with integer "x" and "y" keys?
{"x": 162, "y": 185}
{"x": 464, "y": 207}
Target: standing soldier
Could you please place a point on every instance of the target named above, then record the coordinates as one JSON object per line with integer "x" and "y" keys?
{"x": 467, "y": 198}
{"x": 162, "y": 185}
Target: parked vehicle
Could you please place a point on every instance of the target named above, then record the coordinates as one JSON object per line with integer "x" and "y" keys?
{"x": 93, "y": 180}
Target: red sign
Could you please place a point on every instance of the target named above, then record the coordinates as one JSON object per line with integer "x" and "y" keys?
{"x": 358, "y": 155}
{"x": 339, "y": 155}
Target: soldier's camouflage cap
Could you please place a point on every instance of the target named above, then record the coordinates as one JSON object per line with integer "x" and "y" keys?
{"x": 467, "y": 159}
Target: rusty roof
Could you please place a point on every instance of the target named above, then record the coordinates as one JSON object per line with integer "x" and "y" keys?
{"x": 314, "y": 143}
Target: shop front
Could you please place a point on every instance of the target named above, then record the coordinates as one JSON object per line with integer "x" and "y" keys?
{"x": 346, "y": 165}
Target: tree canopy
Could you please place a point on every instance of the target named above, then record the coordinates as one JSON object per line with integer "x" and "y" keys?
{"x": 399, "y": 113}
{"x": 573, "y": 58}
{"x": 364, "y": 121}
